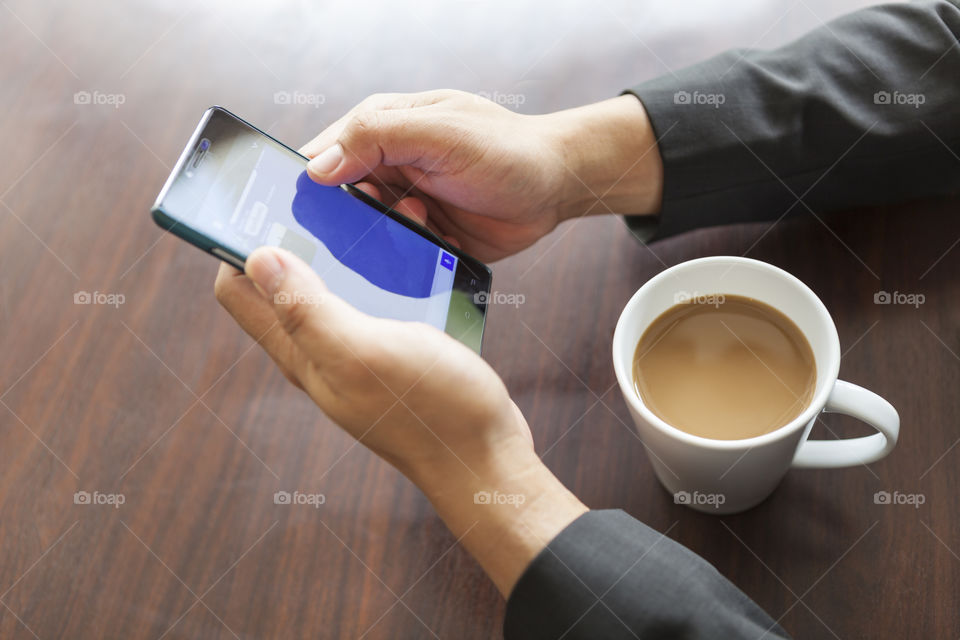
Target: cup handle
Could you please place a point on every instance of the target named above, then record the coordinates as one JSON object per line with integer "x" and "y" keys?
{"x": 865, "y": 405}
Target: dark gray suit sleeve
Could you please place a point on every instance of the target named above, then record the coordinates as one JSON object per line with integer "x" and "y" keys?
{"x": 609, "y": 576}
{"x": 862, "y": 111}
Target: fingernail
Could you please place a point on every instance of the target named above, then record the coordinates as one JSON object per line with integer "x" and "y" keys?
{"x": 328, "y": 160}
{"x": 267, "y": 272}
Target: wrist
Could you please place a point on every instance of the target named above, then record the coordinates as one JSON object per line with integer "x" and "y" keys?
{"x": 505, "y": 508}
{"x": 612, "y": 159}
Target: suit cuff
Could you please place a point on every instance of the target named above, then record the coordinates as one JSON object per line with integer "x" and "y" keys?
{"x": 609, "y": 576}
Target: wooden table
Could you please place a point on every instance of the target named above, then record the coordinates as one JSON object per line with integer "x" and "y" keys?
{"x": 158, "y": 400}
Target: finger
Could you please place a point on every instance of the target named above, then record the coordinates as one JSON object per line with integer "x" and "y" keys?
{"x": 371, "y": 190}
{"x": 329, "y": 135}
{"x": 411, "y": 137}
{"x": 390, "y": 192}
{"x": 453, "y": 241}
{"x": 322, "y": 325}
{"x": 239, "y": 297}
{"x": 409, "y": 207}
{"x": 425, "y": 212}
{"x": 413, "y": 208}
{"x": 437, "y": 219}
{"x": 377, "y": 101}
{"x": 436, "y": 216}
{"x": 450, "y": 226}
{"x": 390, "y": 179}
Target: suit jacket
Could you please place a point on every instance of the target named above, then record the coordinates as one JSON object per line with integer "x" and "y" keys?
{"x": 863, "y": 111}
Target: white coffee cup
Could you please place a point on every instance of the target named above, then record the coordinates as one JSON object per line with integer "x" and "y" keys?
{"x": 727, "y": 476}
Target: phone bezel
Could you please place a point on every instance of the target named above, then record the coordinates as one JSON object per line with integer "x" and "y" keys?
{"x": 480, "y": 272}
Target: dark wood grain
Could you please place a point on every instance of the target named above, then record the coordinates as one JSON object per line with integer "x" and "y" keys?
{"x": 163, "y": 399}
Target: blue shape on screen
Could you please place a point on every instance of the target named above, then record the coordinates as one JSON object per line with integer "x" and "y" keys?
{"x": 364, "y": 240}
{"x": 446, "y": 261}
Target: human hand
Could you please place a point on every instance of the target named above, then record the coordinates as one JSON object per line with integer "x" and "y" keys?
{"x": 486, "y": 178}
{"x": 408, "y": 391}
{"x": 421, "y": 400}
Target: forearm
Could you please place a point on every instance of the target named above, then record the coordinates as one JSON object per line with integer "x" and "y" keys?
{"x": 504, "y": 509}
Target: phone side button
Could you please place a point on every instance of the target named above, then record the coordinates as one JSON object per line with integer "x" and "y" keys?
{"x": 226, "y": 257}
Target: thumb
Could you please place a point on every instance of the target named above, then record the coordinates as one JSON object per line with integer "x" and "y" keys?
{"x": 319, "y": 322}
{"x": 390, "y": 137}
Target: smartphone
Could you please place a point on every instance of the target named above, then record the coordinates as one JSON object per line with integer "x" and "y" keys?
{"x": 235, "y": 188}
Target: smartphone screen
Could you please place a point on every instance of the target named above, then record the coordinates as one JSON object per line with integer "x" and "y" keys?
{"x": 235, "y": 188}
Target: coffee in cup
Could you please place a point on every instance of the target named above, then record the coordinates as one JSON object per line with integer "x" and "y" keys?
{"x": 725, "y": 367}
